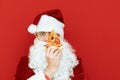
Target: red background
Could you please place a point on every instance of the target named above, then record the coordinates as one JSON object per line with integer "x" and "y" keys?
{"x": 92, "y": 27}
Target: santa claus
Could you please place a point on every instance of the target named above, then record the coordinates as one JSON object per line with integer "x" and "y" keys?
{"x": 52, "y": 63}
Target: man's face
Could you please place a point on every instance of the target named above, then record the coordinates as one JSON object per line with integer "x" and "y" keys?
{"x": 42, "y": 36}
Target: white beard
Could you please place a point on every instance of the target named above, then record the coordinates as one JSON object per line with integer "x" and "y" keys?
{"x": 37, "y": 60}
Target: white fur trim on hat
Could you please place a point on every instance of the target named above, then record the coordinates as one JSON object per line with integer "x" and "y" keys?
{"x": 49, "y": 23}
{"x": 32, "y": 29}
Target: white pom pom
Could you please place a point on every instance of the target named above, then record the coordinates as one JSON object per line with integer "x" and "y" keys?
{"x": 32, "y": 29}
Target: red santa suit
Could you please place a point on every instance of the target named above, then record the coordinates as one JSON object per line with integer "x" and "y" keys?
{"x": 24, "y": 72}
{"x": 32, "y": 67}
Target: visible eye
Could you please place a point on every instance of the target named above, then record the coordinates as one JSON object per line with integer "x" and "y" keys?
{"x": 41, "y": 33}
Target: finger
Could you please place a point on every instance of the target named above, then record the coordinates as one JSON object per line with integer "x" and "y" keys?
{"x": 48, "y": 51}
{"x": 59, "y": 55}
{"x": 53, "y": 49}
{"x": 57, "y": 52}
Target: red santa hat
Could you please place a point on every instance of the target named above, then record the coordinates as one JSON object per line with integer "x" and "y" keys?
{"x": 48, "y": 21}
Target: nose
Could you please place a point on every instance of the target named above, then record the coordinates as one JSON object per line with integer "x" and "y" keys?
{"x": 46, "y": 38}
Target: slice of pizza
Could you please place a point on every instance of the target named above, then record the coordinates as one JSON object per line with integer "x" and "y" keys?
{"x": 53, "y": 40}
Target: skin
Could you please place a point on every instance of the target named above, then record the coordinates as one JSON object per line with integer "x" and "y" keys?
{"x": 52, "y": 55}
